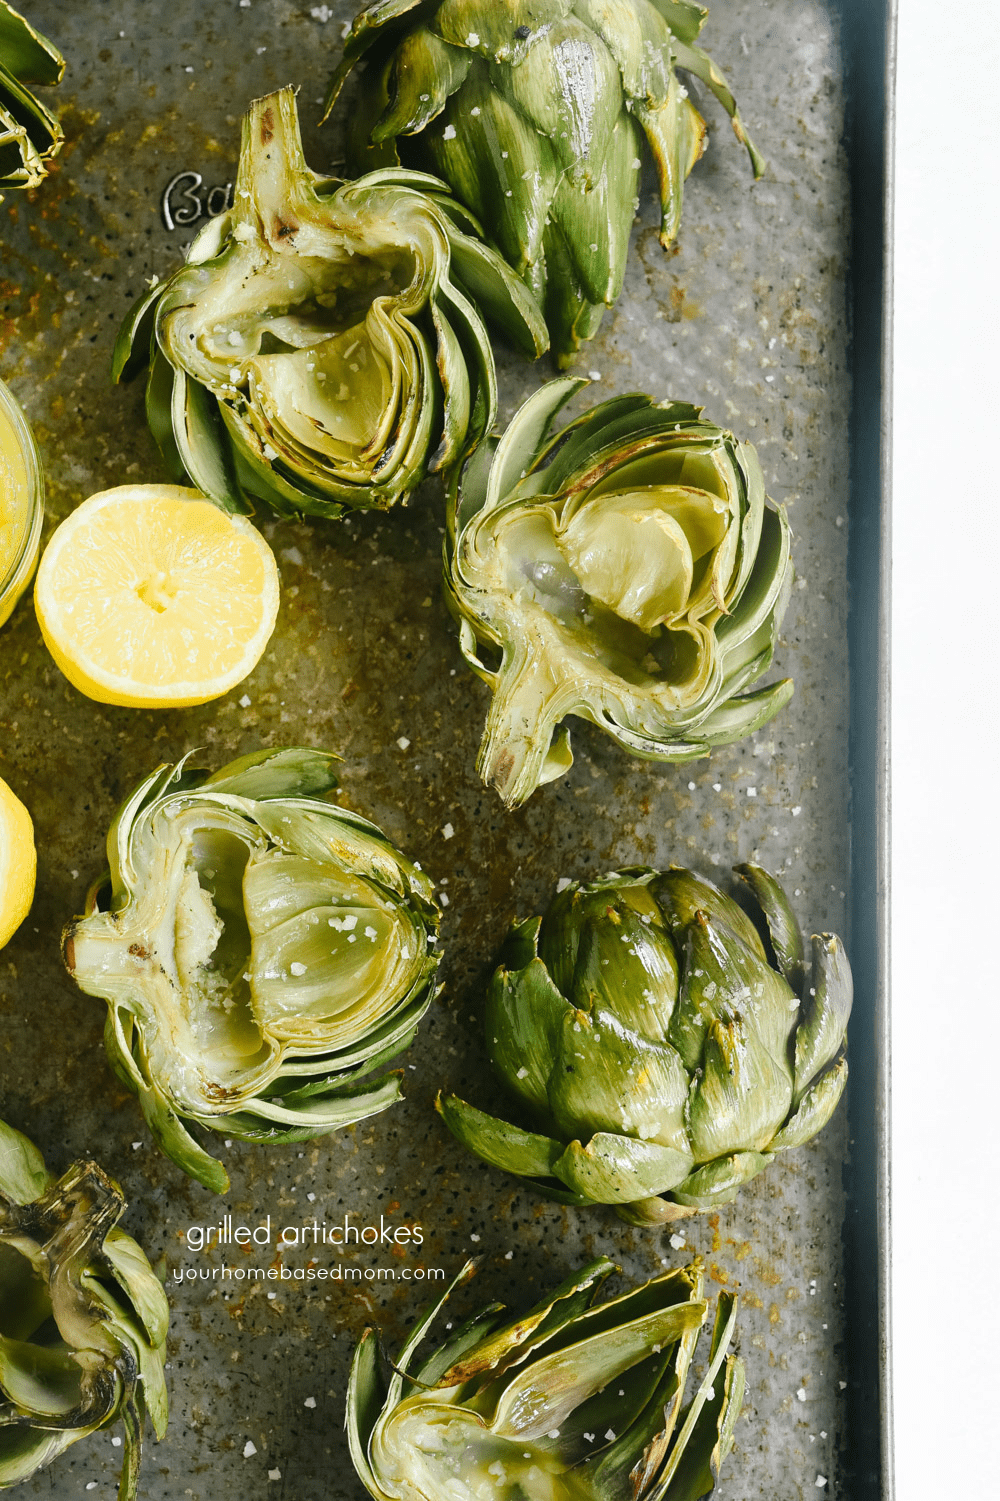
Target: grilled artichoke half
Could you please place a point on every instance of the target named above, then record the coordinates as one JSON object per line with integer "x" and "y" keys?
{"x": 534, "y": 112}
{"x": 574, "y": 1401}
{"x": 30, "y": 135}
{"x": 323, "y": 347}
{"x": 260, "y": 951}
{"x": 83, "y": 1319}
{"x": 662, "y": 1048}
{"x": 628, "y": 569}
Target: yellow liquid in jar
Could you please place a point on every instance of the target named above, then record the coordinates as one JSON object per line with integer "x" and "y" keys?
{"x": 17, "y": 503}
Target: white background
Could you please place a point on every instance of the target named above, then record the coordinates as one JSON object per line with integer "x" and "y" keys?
{"x": 946, "y": 768}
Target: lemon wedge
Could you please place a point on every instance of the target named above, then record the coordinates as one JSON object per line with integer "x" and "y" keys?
{"x": 151, "y": 597}
{"x": 17, "y": 863}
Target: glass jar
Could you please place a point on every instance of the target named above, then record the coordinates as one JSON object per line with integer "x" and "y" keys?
{"x": 22, "y": 502}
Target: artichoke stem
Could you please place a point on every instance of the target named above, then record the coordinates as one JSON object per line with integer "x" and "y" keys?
{"x": 519, "y": 729}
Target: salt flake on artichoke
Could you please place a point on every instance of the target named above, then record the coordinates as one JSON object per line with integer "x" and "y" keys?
{"x": 260, "y": 951}
{"x": 628, "y": 569}
{"x": 324, "y": 345}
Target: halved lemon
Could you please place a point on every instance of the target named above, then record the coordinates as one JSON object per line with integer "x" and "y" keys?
{"x": 150, "y": 596}
{"x": 17, "y": 863}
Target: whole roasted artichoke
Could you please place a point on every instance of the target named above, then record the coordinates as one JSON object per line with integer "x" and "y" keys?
{"x": 628, "y": 569}
{"x": 534, "y": 112}
{"x": 574, "y": 1401}
{"x": 661, "y": 1048}
{"x": 30, "y": 135}
{"x": 260, "y": 951}
{"x": 323, "y": 346}
{"x": 82, "y": 1317}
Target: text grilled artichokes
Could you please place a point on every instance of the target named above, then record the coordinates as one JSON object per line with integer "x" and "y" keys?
{"x": 629, "y": 569}
{"x": 534, "y": 112}
{"x": 660, "y": 1058}
{"x": 574, "y": 1401}
{"x": 260, "y": 951}
{"x": 323, "y": 347}
{"x": 30, "y": 135}
{"x": 83, "y": 1319}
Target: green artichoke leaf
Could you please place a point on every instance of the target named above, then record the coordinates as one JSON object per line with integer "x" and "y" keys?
{"x": 203, "y": 446}
{"x": 814, "y": 1109}
{"x": 719, "y": 1182}
{"x": 570, "y": 91}
{"x": 681, "y": 895}
{"x": 524, "y": 1018}
{"x": 782, "y": 924}
{"x": 177, "y": 1143}
{"x": 544, "y": 1394}
{"x": 296, "y": 771}
{"x": 684, "y": 17}
{"x": 676, "y": 135}
{"x": 500, "y": 33}
{"x": 497, "y": 1142}
{"x": 25, "y": 1450}
{"x": 698, "y": 62}
{"x": 367, "y": 1390}
{"x": 140, "y": 1284}
{"x": 23, "y": 1174}
{"x": 593, "y": 218}
{"x": 609, "y": 1079}
{"x": 159, "y": 414}
{"x": 133, "y": 345}
{"x": 734, "y": 1021}
{"x": 639, "y": 39}
{"x": 423, "y": 74}
{"x": 615, "y": 1169}
{"x": 706, "y": 1436}
{"x": 825, "y": 1009}
{"x": 43, "y": 1382}
{"x": 26, "y": 52}
{"x": 493, "y": 288}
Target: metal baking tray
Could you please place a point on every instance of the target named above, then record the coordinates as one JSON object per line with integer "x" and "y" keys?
{"x": 771, "y": 311}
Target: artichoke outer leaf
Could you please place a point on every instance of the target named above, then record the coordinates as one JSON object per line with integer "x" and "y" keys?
{"x": 26, "y": 52}
{"x": 681, "y": 894}
{"x": 524, "y": 1016}
{"x": 491, "y": 29}
{"x": 739, "y": 717}
{"x": 367, "y": 1390}
{"x": 423, "y": 73}
{"x": 684, "y": 17}
{"x": 544, "y": 1394}
{"x": 295, "y": 771}
{"x": 133, "y": 344}
{"x": 697, "y": 1470}
{"x": 601, "y": 215}
{"x": 498, "y": 292}
{"x": 782, "y": 924}
{"x": 140, "y": 1284}
{"x": 675, "y": 133}
{"x": 43, "y": 1382}
{"x": 203, "y": 445}
{"x": 826, "y": 1009}
{"x": 178, "y": 1143}
{"x": 28, "y": 1449}
{"x": 526, "y": 436}
{"x": 159, "y": 414}
{"x": 502, "y": 1145}
{"x": 608, "y": 1079}
{"x": 698, "y": 62}
{"x": 366, "y": 30}
{"x": 615, "y": 1169}
{"x": 719, "y": 1182}
{"x": 814, "y": 1109}
{"x": 639, "y": 40}
{"x": 23, "y": 1174}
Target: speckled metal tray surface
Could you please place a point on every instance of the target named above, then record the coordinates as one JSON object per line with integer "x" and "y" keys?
{"x": 749, "y": 316}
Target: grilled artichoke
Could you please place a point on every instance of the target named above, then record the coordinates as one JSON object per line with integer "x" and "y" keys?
{"x": 629, "y": 569}
{"x": 260, "y": 951}
{"x": 534, "y": 112}
{"x": 30, "y": 135}
{"x": 82, "y": 1317}
{"x": 574, "y": 1401}
{"x": 660, "y": 1056}
{"x": 322, "y": 348}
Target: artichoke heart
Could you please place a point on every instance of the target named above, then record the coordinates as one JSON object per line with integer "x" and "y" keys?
{"x": 30, "y": 135}
{"x": 629, "y": 570}
{"x": 259, "y": 950}
{"x": 576, "y": 1400}
{"x": 83, "y": 1319}
{"x": 659, "y": 1044}
{"x": 324, "y": 347}
{"x": 535, "y": 113}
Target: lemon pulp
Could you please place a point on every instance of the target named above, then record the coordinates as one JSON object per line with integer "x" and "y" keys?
{"x": 17, "y": 863}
